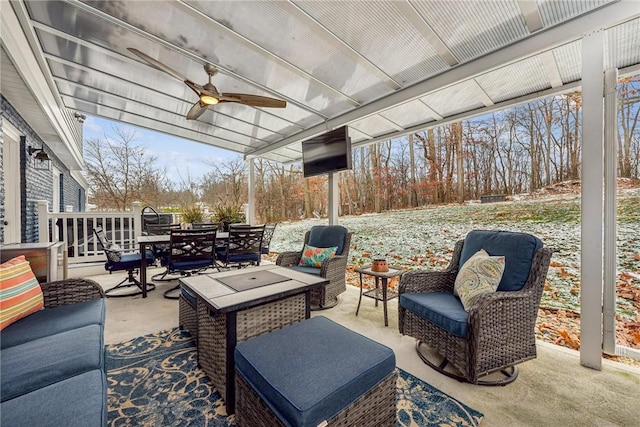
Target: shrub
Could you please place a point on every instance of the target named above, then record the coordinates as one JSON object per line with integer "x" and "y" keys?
{"x": 192, "y": 214}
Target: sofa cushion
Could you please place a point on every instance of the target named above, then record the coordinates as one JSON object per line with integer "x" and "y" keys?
{"x": 441, "y": 308}
{"x": 78, "y": 401}
{"x": 325, "y": 368}
{"x": 315, "y": 257}
{"x": 480, "y": 275}
{"x": 49, "y": 321}
{"x": 326, "y": 236}
{"x": 518, "y": 250}
{"x": 20, "y": 292}
{"x": 39, "y": 363}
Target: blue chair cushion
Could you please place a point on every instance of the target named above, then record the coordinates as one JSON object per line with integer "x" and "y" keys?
{"x": 441, "y": 308}
{"x": 39, "y": 363}
{"x": 78, "y": 401}
{"x": 232, "y": 259}
{"x": 325, "y": 368}
{"x": 326, "y": 236}
{"x": 308, "y": 270}
{"x": 517, "y": 248}
{"x": 189, "y": 296}
{"x": 190, "y": 265}
{"x": 128, "y": 262}
{"x": 49, "y": 321}
{"x": 265, "y": 250}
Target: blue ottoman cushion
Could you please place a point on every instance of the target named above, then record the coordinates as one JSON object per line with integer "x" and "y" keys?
{"x": 50, "y": 321}
{"x": 39, "y": 363}
{"x": 442, "y": 308}
{"x": 517, "y": 248}
{"x": 311, "y": 371}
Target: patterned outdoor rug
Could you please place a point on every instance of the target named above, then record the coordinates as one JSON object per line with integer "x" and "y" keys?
{"x": 154, "y": 381}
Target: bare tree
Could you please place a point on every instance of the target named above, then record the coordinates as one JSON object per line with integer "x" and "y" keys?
{"x": 120, "y": 171}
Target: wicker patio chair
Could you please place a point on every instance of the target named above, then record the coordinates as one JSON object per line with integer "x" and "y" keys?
{"x": 70, "y": 291}
{"x": 334, "y": 268}
{"x": 497, "y": 332}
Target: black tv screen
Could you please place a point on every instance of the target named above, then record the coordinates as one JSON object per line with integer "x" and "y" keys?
{"x": 329, "y": 152}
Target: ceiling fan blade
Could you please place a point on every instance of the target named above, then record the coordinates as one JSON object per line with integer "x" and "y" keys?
{"x": 253, "y": 100}
{"x": 196, "y": 111}
{"x": 159, "y": 65}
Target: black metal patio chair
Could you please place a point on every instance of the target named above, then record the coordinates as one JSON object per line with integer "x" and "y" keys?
{"x": 117, "y": 260}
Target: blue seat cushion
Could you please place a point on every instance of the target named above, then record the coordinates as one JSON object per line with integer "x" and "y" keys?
{"x": 78, "y": 401}
{"x": 308, "y": 270}
{"x": 441, "y": 308}
{"x": 190, "y": 265}
{"x": 518, "y": 250}
{"x": 49, "y": 321}
{"x": 39, "y": 363}
{"x": 232, "y": 259}
{"x": 189, "y": 296}
{"x": 325, "y": 368}
{"x": 327, "y": 236}
{"x": 128, "y": 262}
{"x": 265, "y": 250}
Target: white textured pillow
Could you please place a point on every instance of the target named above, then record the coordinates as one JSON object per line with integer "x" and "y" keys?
{"x": 480, "y": 275}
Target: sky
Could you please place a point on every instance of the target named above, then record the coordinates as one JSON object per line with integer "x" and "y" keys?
{"x": 182, "y": 158}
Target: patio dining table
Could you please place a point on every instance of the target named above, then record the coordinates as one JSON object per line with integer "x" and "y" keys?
{"x": 159, "y": 239}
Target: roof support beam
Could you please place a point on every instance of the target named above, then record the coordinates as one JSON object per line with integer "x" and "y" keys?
{"x": 607, "y": 15}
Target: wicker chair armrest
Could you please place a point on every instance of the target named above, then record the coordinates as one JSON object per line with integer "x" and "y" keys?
{"x": 70, "y": 291}
{"x": 496, "y": 310}
{"x": 333, "y": 265}
{"x": 288, "y": 259}
{"x": 427, "y": 281}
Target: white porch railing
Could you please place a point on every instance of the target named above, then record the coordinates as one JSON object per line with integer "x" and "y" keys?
{"x": 76, "y": 229}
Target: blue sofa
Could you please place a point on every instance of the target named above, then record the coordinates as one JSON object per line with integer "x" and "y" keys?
{"x": 52, "y": 367}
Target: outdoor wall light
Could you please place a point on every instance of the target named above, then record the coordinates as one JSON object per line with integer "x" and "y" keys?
{"x": 41, "y": 159}
{"x": 80, "y": 117}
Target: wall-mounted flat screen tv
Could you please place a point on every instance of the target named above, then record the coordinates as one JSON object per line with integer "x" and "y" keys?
{"x": 329, "y": 152}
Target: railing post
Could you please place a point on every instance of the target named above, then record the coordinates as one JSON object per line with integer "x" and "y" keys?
{"x": 43, "y": 221}
{"x": 137, "y": 218}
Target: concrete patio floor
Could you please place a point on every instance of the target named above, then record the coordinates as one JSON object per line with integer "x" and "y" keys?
{"x": 552, "y": 390}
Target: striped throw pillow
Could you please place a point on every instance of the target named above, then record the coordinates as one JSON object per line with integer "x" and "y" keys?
{"x": 20, "y": 292}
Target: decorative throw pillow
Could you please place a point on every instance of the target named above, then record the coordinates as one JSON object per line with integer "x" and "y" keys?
{"x": 114, "y": 253}
{"x": 20, "y": 292}
{"x": 314, "y": 257}
{"x": 480, "y": 275}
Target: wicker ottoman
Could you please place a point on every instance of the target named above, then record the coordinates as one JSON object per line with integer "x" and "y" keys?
{"x": 188, "y": 312}
{"x": 313, "y": 372}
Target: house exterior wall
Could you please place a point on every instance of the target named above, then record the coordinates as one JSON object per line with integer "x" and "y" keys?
{"x": 37, "y": 184}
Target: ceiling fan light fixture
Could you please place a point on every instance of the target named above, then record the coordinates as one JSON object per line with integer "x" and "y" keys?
{"x": 209, "y": 100}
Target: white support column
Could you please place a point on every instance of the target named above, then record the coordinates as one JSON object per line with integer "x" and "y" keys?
{"x": 43, "y": 221}
{"x": 334, "y": 196}
{"x": 610, "y": 219}
{"x": 251, "y": 208}
{"x": 137, "y": 218}
{"x": 592, "y": 221}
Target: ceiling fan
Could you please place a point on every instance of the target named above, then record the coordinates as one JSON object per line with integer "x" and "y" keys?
{"x": 208, "y": 94}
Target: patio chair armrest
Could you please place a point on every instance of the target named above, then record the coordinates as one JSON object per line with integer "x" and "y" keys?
{"x": 70, "y": 291}
{"x": 337, "y": 264}
{"x": 427, "y": 281}
{"x": 288, "y": 259}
